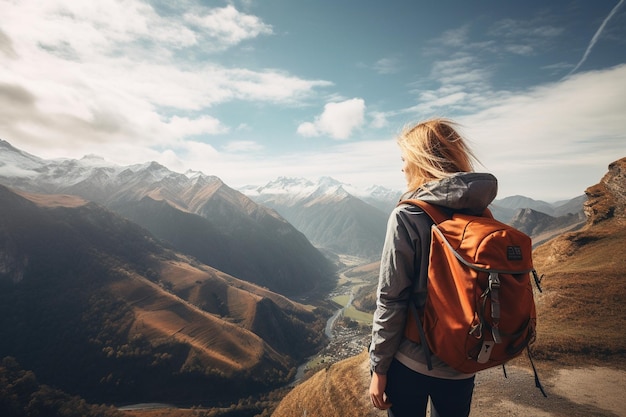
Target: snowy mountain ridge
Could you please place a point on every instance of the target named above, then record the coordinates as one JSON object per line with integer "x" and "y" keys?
{"x": 289, "y": 191}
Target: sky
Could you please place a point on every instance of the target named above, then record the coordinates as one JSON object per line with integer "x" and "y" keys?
{"x": 253, "y": 90}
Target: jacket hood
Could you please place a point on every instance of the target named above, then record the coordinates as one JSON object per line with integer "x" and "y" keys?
{"x": 468, "y": 191}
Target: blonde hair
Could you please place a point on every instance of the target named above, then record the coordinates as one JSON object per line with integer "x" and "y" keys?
{"x": 433, "y": 150}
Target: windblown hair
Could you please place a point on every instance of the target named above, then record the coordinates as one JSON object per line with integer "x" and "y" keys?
{"x": 433, "y": 150}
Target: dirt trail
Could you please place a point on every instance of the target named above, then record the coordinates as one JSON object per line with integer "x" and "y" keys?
{"x": 572, "y": 392}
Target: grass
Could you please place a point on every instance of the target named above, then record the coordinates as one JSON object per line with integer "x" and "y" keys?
{"x": 358, "y": 316}
{"x": 351, "y": 311}
{"x": 337, "y": 390}
{"x": 581, "y": 311}
{"x": 342, "y": 300}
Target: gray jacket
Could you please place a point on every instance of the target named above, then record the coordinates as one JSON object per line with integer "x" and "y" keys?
{"x": 404, "y": 264}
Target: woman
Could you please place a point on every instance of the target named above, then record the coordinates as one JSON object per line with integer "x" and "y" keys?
{"x": 438, "y": 166}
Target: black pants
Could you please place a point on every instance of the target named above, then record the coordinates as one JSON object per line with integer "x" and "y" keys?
{"x": 409, "y": 391}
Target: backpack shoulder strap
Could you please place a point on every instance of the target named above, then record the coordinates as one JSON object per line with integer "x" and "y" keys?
{"x": 431, "y": 210}
{"x": 437, "y": 216}
{"x": 435, "y": 212}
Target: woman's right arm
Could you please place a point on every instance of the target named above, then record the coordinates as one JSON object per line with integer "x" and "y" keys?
{"x": 377, "y": 391}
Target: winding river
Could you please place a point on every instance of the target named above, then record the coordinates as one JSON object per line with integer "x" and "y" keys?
{"x": 330, "y": 324}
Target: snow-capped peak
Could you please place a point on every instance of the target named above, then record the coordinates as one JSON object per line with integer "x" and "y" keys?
{"x": 289, "y": 191}
{"x": 93, "y": 160}
{"x": 16, "y": 162}
{"x": 287, "y": 185}
{"x": 191, "y": 174}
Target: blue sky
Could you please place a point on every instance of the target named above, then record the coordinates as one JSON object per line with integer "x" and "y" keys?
{"x": 252, "y": 90}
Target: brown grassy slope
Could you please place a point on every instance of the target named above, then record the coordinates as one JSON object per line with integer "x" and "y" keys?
{"x": 160, "y": 315}
{"x": 185, "y": 279}
{"x": 367, "y": 272}
{"x": 337, "y": 391}
{"x": 581, "y": 311}
{"x": 215, "y": 343}
{"x": 53, "y": 200}
{"x": 233, "y": 300}
{"x": 288, "y": 327}
{"x": 98, "y": 294}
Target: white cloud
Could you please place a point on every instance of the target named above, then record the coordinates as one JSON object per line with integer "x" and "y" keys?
{"x": 554, "y": 136}
{"x": 464, "y": 85}
{"x": 454, "y": 37}
{"x": 242, "y": 146}
{"x": 386, "y": 66}
{"x": 184, "y": 126}
{"x": 460, "y": 70}
{"x": 200, "y": 149}
{"x": 549, "y": 142}
{"x": 269, "y": 85}
{"x": 169, "y": 159}
{"x": 466, "y": 68}
{"x": 104, "y": 28}
{"x": 362, "y": 164}
{"x": 524, "y": 50}
{"x": 338, "y": 120}
{"x": 530, "y": 30}
{"x": 128, "y": 82}
{"x": 113, "y": 72}
{"x": 307, "y": 129}
{"x": 6, "y": 46}
{"x": 379, "y": 120}
{"x": 229, "y": 26}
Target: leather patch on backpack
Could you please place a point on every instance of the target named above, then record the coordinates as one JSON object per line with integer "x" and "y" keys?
{"x": 514, "y": 253}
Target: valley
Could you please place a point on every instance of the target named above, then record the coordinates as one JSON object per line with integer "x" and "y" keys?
{"x": 348, "y": 332}
{"x": 349, "y": 329}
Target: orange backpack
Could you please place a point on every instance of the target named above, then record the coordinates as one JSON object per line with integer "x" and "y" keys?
{"x": 480, "y": 307}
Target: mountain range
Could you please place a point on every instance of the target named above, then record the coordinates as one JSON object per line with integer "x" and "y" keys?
{"x": 337, "y": 218}
{"x": 342, "y": 219}
{"x": 137, "y": 283}
{"x": 331, "y": 217}
{"x": 195, "y": 213}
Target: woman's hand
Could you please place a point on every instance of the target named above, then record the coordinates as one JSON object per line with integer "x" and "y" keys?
{"x": 377, "y": 391}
